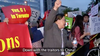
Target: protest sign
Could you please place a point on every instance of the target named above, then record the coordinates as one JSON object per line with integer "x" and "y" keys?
{"x": 17, "y": 13}
{"x": 94, "y": 10}
{"x": 34, "y": 15}
{"x": 69, "y": 22}
{"x": 94, "y": 25}
{"x": 15, "y": 37}
{"x": 74, "y": 13}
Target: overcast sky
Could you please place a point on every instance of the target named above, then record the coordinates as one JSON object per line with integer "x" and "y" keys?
{"x": 82, "y": 4}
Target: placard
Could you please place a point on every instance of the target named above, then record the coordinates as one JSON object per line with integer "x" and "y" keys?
{"x": 17, "y": 13}
{"x": 34, "y": 15}
{"x": 94, "y": 25}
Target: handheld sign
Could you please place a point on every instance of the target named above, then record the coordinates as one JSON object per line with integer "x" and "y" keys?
{"x": 94, "y": 10}
{"x": 69, "y": 22}
{"x": 15, "y": 40}
{"x": 34, "y": 15}
{"x": 94, "y": 25}
{"x": 74, "y": 13}
{"x": 17, "y": 13}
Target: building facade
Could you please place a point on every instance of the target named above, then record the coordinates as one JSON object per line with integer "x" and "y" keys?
{"x": 32, "y": 3}
{"x": 48, "y": 4}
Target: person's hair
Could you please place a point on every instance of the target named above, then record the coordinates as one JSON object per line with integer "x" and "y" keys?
{"x": 58, "y": 17}
{"x": 78, "y": 22}
{"x": 85, "y": 15}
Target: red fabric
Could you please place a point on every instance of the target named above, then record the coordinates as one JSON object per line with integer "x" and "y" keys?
{"x": 46, "y": 14}
{"x": 91, "y": 43}
{"x": 15, "y": 36}
{"x": 77, "y": 35}
{"x": 41, "y": 24}
{"x": 17, "y": 13}
{"x": 73, "y": 19}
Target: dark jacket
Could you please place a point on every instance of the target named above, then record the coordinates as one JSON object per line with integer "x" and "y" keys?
{"x": 37, "y": 35}
{"x": 52, "y": 35}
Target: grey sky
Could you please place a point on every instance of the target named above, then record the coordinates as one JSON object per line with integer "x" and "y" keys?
{"x": 82, "y": 4}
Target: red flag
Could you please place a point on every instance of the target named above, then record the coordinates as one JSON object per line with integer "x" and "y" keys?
{"x": 14, "y": 36}
{"x": 46, "y": 14}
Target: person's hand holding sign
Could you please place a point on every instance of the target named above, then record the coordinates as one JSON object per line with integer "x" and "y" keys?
{"x": 6, "y": 20}
{"x": 57, "y": 4}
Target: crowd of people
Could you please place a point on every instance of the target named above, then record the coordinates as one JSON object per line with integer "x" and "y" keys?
{"x": 55, "y": 36}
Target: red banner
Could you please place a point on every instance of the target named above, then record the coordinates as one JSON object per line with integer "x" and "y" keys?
{"x": 17, "y": 13}
{"x": 14, "y": 36}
